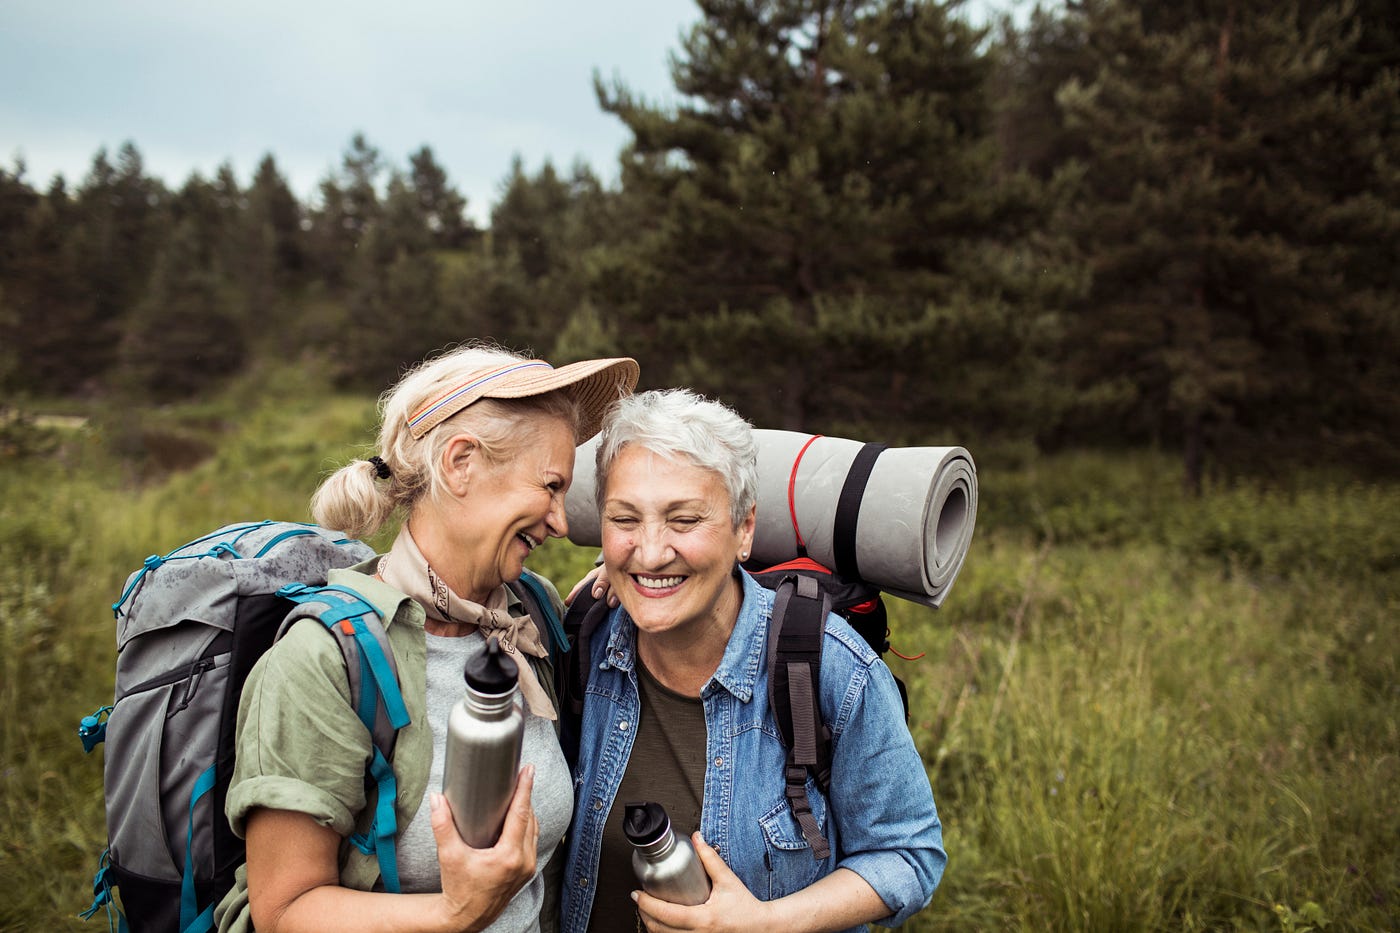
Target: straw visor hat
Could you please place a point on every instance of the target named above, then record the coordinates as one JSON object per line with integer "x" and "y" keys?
{"x": 595, "y": 384}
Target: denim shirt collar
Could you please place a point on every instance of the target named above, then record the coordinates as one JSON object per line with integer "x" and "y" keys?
{"x": 743, "y": 659}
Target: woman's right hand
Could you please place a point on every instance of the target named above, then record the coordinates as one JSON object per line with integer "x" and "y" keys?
{"x": 477, "y": 884}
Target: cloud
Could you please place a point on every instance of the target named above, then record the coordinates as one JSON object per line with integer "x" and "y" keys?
{"x": 195, "y": 85}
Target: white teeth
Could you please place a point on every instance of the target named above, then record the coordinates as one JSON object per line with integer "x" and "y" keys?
{"x": 530, "y": 542}
{"x": 659, "y": 583}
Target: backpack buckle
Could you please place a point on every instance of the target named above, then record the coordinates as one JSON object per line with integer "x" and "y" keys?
{"x": 93, "y": 729}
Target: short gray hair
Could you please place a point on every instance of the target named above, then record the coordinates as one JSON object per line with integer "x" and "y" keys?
{"x": 679, "y": 424}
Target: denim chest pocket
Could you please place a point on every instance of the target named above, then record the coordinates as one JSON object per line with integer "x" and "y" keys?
{"x": 786, "y": 855}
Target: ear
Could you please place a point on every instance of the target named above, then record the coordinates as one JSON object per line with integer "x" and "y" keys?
{"x": 746, "y": 530}
{"x": 460, "y": 458}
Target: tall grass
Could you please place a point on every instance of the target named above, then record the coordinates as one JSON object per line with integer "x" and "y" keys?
{"x": 1138, "y": 711}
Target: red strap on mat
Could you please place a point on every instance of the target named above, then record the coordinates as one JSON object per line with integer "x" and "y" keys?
{"x": 792, "y": 494}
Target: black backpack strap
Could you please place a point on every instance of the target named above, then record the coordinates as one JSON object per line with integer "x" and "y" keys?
{"x": 794, "y": 684}
{"x": 581, "y": 620}
{"x": 843, "y": 541}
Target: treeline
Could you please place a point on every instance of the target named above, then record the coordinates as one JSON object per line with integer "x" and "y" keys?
{"x": 1119, "y": 222}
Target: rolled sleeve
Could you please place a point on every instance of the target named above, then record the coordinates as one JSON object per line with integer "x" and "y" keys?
{"x": 300, "y": 746}
{"x": 881, "y": 798}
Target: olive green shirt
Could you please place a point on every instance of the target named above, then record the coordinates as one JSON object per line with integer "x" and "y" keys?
{"x": 301, "y": 747}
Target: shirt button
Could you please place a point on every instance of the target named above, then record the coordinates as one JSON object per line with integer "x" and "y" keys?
{"x": 719, "y": 762}
{"x": 583, "y": 882}
{"x": 622, "y": 725}
{"x": 597, "y": 804}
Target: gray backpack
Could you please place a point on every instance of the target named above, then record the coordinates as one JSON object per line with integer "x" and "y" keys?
{"x": 190, "y": 625}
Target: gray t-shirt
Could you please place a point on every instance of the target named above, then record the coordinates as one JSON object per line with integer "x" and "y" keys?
{"x": 552, "y": 796}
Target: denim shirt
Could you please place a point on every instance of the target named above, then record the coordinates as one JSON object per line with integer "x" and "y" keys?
{"x": 880, "y": 817}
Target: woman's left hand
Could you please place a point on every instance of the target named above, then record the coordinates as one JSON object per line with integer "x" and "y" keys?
{"x": 597, "y": 580}
{"x": 839, "y": 901}
{"x": 730, "y": 909}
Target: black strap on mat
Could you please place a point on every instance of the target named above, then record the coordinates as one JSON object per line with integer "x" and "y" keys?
{"x": 843, "y": 541}
{"x": 795, "y": 658}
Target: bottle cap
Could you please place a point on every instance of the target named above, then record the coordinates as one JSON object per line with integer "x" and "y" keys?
{"x": 644, "y": 823}
{"x": 492, "y": 672}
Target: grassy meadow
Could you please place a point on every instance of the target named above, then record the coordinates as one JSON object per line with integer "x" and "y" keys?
{"x": 1138, "y": 711}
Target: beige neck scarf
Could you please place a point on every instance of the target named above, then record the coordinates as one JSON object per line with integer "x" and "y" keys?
{"x": 407, "y": 570}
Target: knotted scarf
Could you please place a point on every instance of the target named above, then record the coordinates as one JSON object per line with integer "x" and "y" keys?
{"x": 407, "y": 570}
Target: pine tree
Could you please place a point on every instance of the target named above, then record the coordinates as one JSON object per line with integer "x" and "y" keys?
{"x": 349, "y": 207}
{"x": 821, "y": 205}
{"x": 97, "y": 253}
{"x": 276, "y": 215}
{"x": 1232, "y": 204}
{"x": 545, "y": 229}
{"x": 441, "y": 207}
{"x": 184, "y": 335}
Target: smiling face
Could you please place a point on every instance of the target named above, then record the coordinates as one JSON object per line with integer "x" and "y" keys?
{"x": 507, "y": 509}
{"x": 669, "y": 545}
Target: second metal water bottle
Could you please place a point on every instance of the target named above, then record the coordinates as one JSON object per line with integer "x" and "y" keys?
{"x": 666, "y": 864}
{"x": 484, "y": 734}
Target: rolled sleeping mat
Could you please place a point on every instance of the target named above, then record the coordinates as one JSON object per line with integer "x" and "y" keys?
{"x": 900, "y": 518}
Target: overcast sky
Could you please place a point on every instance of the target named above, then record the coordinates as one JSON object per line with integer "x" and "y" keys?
{"x": 196, "y": 84}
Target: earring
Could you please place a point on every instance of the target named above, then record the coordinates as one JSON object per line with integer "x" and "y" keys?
{"x": 743, "y": 555}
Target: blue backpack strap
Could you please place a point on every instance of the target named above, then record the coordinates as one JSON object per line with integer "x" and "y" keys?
{"x": 533, "y": 594}
{"x": 156, "y": 560}
{"x": 102, "y": 895}
{"x": 374, "y": 690}
{"x": 192, "y": 920}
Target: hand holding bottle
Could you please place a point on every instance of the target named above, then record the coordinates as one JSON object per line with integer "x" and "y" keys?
{"x": 478, "y": 884}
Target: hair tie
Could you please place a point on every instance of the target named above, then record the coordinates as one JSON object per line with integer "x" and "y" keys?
{"x": 381, "y": 468}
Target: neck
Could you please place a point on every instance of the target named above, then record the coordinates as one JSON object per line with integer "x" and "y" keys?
{"x": 437, "y": 549}
{"x": 685, "y": 659}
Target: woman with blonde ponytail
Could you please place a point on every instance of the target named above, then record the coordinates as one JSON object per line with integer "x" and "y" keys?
{"x": 475, "y": 452}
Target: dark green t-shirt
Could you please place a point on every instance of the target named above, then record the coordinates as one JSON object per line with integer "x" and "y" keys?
{"x": 667, "y": 766}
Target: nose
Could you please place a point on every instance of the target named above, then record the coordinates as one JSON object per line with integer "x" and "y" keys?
{"x": 653, "y": 545}
{"x": 556, "y": 523}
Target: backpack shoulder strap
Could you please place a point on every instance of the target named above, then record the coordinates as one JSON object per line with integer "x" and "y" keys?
{"x": 531, "y": 591}
{"x": 800, "y": 609}
{"x": 581, "y": 620}
{"x": 374, "y": 691}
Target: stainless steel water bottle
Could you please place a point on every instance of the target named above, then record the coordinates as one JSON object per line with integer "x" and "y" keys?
{"x": 484, "y": 733}
{"x": 666, "y": 864}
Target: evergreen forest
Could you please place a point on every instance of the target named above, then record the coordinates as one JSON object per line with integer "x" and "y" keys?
{"x": 1111, "y": 223}
{"x": 1140, "y": 258}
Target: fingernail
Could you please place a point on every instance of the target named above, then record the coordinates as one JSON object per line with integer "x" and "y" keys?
{"x": 634, "y": 897}
{"x": 434, "y": 800}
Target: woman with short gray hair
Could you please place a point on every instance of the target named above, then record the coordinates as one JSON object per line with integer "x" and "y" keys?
{"x": 677, "y": 711}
